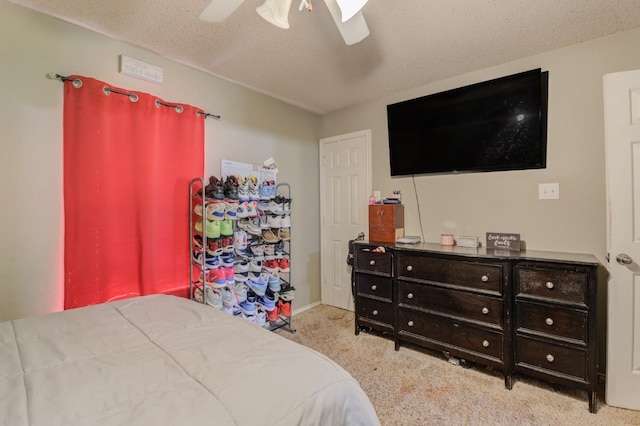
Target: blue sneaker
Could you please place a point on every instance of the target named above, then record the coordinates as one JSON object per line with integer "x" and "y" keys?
{"x": 258, "y": 285}
{"x": 274, "y": 282}
{"x": 269, "y": 302}
{"x": 248, "y": 307}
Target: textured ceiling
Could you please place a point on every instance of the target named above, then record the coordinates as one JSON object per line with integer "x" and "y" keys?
{"x": 412, "y": 42}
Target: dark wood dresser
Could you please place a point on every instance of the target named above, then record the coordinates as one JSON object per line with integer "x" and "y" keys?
{"x": 529, "y": 312}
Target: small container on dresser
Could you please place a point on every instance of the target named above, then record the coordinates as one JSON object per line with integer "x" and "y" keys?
{"x": 555, "y": 324}
{"x": 386, "y": 222}
{"x": 373, "y": 289}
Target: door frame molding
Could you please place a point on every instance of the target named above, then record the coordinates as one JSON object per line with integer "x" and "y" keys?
{"x": 322, "y": 143}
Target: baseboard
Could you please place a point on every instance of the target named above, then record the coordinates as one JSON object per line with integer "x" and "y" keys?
{"x": 305, "y": 308}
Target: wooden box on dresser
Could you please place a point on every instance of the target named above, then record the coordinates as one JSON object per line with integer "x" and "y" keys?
{"x": 529, "y": 312}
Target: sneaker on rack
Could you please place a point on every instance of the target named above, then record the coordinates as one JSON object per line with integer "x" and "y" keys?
{"x": 250, "y": 225}
{"x": 213, "y": 228}
{"x": 254, "y": 192}
{"x": 285, "y": 221}
{"x": 216, "y": 278}
{"x": 248, "y": 306}
{"x": 257, "y": 250}
{"x": 279, "y": 249}
{"x": 268, "y": 300}
{"x": 283, "y": 265}
{"x": 274, "y": 282}
{"x": 215, "y": 189}
{"x": 272, "y": 315}
{"x": 255, "y": 265}
{"x": 228, "y": 297}
{"x": 261, "y": 317}
{"x": 265, "y": 191}
{"x": 214, "y": 247}
{"x": 215, "y": 210}
{"x": 240, "y": 290}
{"x": 270, "y": 265}
{"x": 226, "y": 227}
{"x": 269, "y": 251}
{"x": 212, "y": 298}
{"x": 274, "y": 221}
{"x": 243, "y": 189}
{"x": 284, "y": 234}
{"x": 270, "y": 237}
{"x": 230, "y": 209}
{"x": 240, "y": 240}
{"x": 284, "y": 308}
{"x": 231, "y": 188}
{"x": 287, "y": 293}
{"x": 197, "y": 295}
{"x": 259, "y": 286}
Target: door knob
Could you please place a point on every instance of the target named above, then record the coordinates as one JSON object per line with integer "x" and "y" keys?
{"x": 624, "y": 259}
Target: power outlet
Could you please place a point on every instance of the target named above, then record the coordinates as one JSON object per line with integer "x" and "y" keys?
{"x": 548, "y": 191}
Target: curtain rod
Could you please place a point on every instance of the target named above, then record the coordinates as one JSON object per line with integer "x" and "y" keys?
{"x": 77, "y": 83}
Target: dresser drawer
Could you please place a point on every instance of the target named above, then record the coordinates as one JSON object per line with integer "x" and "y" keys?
{"x": 552, "y": 358}
{"x": 374, "y": 285}
{"x": 554, "y": 284}
{"x": 369, "y": 261}
{"x": 441, "y": 330}
{"x": 375, "y": 310}
{"x": 451, "y": 271}
{"x": 450, "y": 302}
{"x": 561, "y": 322}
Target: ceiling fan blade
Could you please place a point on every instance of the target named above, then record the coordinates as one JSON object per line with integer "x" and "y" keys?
{"x": 219, "y": 10}
{"x": 354, "y": 30}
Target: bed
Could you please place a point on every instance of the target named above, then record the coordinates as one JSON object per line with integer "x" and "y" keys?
{"x": 165, "y": 360}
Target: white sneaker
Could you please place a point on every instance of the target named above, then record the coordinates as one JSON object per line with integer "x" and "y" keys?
{"x": 212, "y": 298}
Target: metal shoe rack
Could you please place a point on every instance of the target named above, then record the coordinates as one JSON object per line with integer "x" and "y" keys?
{"x": 194, "y": 281}
{"x": 197, "y": 273}
{"x": 285, "y": 322}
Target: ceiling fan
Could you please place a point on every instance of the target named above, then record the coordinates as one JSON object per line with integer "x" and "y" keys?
{"x": 347, "y": 14}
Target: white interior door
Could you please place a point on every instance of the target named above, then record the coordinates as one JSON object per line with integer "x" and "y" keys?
{"x": 622, "y": 141}
{"x": 345, "y": 186}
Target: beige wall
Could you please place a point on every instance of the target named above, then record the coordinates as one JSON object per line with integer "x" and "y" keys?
{"x": 253, "y": 128}
{"x": 473, "y": 204}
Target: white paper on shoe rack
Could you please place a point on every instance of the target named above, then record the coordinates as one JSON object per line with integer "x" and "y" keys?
{"x": 237, "y": 168}
{"x": 266, "y": 174}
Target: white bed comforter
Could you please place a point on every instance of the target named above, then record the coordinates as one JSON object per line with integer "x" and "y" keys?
{"x": 163, "y": 360}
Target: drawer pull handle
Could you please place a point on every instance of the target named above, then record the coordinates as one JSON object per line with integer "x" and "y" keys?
{"x": 484, "y": 278}
{"x": 550, "y": 358}
{"x": 549, "y": 285}
{"x": 549, "y": 321}
{"x": 485, "y": 343}
{"x": 485, "y": 311}
{"x": 410, "y": 323}
{"x": 409, "y": 268}
{"x": 374, "y": 287}
{"x": 372, "y": 262}
{"x": 410, "y": 296}
{"x": 375, "y": 312}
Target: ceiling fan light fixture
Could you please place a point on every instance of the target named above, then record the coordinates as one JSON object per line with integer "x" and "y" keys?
{"x": 350, "y": 7}
{"x": 275, "y": 12}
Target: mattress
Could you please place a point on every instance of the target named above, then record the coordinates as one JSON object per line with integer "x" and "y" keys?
{"x": 165, "y": 360}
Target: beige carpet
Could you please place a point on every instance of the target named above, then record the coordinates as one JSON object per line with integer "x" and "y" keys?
{"x": 418, "y": 387}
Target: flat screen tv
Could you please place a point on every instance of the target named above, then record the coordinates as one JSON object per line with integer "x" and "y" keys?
{"x": 495, "y": 125}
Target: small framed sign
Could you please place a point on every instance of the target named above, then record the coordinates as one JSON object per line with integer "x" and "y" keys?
{"x": 502, "y": 241}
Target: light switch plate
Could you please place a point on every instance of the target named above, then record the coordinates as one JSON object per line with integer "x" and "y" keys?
{"x": 548, "y": 191}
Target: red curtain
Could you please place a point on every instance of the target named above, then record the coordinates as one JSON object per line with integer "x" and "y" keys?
{"x": 128, "y": 161}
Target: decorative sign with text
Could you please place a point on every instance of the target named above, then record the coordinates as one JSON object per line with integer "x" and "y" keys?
{"x": 501, "y": 241}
